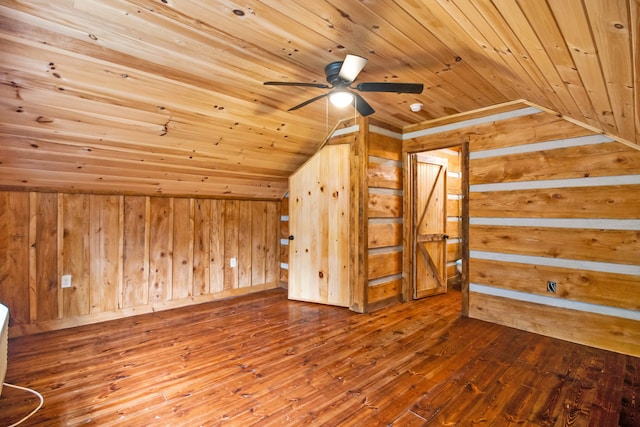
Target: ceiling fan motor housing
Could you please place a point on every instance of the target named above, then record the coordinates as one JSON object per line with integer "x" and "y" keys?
{"x": 332, "y": 71}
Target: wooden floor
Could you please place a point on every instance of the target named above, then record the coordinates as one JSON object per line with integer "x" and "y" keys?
{"x": 264, "y": 360}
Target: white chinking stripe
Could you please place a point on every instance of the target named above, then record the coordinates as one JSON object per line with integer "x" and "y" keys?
{"x": 541, "y": 146}
{"x": 388, "y": 191}
{"x": 394, "y": 220}
{"x": 383, "y": 161}
{"x": 578, "y": 223}
{"x": 555, "y": 302}
{"x": 385, "y": 250}
{"x": 472, "y": 122}
{"x": 346, "y": 131}
{"x": 385, "y": 279}
{"x": 386, "y": 132}
{"x": 557, "y": 183}
{"x": 604, "y": 267}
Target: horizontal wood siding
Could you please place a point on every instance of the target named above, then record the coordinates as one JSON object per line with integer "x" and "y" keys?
{"x": 128, "y": 254}
{"x": 384, "y": 212}
{"x": 551, "y": 201}
{"x": 284, "y": 241}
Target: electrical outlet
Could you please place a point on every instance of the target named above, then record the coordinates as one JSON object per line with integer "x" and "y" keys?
{"x": 65, "y": 281}
{"x": 232, "y": 262}
{"x": 551, "y": 287}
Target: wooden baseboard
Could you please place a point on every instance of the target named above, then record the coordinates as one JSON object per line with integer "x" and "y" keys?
{"x": 51, "y": 325}
{"x": 596, "y": 330}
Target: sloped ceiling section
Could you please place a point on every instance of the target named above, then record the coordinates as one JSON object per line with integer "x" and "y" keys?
{"x": 166, "y": 96}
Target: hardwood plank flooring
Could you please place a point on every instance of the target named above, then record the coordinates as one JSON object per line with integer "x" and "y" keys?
{"x": 264, "y": 360}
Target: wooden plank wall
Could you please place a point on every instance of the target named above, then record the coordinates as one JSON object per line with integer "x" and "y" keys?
{"x": 550, "y": 201}
{"x": 128, "y": 254}
{"x": 383, "y": 183}
{"x": 320, "y": 222}
{"x": 454, "y": 214}
{"x": 284, "y": 241}
{"x": 384, "y": 213}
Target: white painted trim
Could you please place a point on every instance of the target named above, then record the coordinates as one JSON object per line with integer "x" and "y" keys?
{"x": 576, "y": 223}
{"x": 604, "y": 267}
{"x": 557, "y": 183}
{"x": 386, "y": 132}
{"x": 472, "y": 122}
{"x": 555, "y": 302}
{"x": 541, "y": 146}
{"x": 454, "y": 218}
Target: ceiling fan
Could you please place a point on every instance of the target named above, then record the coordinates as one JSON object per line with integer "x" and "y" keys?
{"x": 341, "y": 75}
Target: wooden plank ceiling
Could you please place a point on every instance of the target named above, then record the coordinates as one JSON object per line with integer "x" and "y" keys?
{"x": 166, "y": 96}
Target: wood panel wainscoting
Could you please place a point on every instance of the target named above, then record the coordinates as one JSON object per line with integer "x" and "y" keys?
{"x": 261, "y": 359}
{"x": 128, "y": 255}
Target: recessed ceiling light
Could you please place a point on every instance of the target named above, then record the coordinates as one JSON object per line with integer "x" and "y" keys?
{"x": 416, "y": 107}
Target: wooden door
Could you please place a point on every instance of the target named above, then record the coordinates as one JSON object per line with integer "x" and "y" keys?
{"x": 429, "y": 210}
{"x": 319, "y": 226}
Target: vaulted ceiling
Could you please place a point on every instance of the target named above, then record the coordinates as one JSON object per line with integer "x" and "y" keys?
{"x": 166, "y": 96}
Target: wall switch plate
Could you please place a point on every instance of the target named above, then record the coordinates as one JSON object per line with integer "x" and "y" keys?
{"x": 65, "y": 281}
{"x": 233, "y": 262}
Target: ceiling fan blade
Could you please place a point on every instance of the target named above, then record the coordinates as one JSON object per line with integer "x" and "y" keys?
{"x": 362, "y": 106}
{"x": 308, "y": 102}
{"x": 351, "y": 67}
{"x": 318, "y": 85}
{"x": 390, "y": 87}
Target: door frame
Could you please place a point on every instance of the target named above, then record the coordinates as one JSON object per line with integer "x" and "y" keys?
{"x": 408, "y": 222}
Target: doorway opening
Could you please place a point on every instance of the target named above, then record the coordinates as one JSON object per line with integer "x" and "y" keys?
{"x": 436, "y": 249}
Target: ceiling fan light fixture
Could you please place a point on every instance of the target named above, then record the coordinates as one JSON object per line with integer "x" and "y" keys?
{"x": 341, "y": 98}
